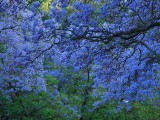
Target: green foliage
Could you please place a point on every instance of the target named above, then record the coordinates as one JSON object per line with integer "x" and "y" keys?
{"x": 139, "y": 112}
{"x": 51, "y": 80}
{"x": 1, "y": 48}
{"x": 33, "y": 106}
{"x": 41, "y": 106}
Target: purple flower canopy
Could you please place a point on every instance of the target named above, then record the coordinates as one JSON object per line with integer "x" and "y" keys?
{"x": 118, "y": 41}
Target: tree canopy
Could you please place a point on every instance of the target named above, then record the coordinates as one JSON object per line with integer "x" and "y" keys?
{"x": 104, "y": 51}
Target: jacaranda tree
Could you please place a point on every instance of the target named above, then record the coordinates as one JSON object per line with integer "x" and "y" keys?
{"x": 115, "y": 43}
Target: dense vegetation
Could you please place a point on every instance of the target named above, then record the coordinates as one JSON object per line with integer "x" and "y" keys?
{"x": 79, "y": 60}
